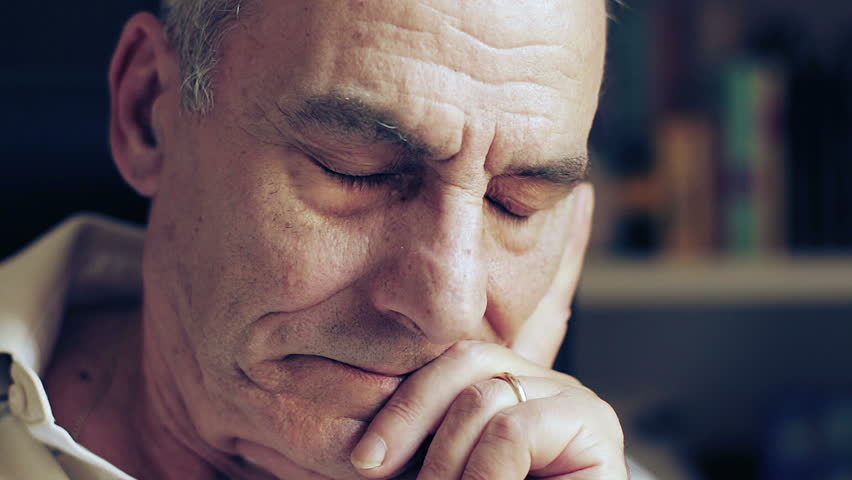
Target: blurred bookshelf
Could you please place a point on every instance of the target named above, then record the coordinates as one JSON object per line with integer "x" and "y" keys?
{"x": 715, "y": 309}
{"x": 724, "y": 132}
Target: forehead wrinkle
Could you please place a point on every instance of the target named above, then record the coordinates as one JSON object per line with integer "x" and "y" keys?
{"x": 534, "y": 52}
{"x": 566, "y": 27}
{"x": 478, "y": 79}
{"x": 528, "y": 81}
{"x": 480, "y": 28}
{"x": 544, "y": 66}
{"x": 513, "y": 98}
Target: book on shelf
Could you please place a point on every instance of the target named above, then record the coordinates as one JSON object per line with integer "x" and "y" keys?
{"x": 753, "y": 157}
{"x": 685, "y": 148}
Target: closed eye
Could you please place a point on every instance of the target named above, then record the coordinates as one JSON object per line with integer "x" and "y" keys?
{"x": 506, "y": 213}
{"x": 357, "y": 181}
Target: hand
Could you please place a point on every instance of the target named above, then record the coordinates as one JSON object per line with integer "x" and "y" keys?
{"x": 564, "y": 431}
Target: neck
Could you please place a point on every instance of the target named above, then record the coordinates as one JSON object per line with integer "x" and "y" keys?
{"x": 102, "y": 393}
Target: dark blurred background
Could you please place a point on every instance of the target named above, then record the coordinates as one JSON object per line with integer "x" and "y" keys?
{"x": 54, "y": 98}
{"x": 716, "y": 308}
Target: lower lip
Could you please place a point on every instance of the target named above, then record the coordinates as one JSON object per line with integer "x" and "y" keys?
{"x": 349, "y": 372}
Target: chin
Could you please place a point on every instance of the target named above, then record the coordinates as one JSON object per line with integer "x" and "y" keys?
{"x": 302, "y": 444}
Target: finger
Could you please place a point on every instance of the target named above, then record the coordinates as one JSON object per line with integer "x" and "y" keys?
{"x": 420, "y": 403}
{"x": 540, "y": 337}
{"x": 501, "y": 453}
{"x": 467, "y": 418}
{"x": 530, "y": 439}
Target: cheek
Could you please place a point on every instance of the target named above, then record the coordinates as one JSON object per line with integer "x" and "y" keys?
{"x": 515, "y": 288}
{"x": 516, "y": 239}
{"x": 291, "y": 257}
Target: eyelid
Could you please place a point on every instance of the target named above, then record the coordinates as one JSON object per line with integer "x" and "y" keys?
{"x": 353, "y": 181}
{"x": 357, "y": 180}
{"x": 326, "y": 157}
{"x": 506, "y": 213}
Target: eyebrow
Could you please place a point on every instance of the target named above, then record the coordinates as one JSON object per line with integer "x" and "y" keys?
{"x": 351, "y": 118}
{"x": 565, "y": 171}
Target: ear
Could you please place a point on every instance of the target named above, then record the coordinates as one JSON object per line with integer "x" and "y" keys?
{"x": 541, "y": 336}
{"x": 139, "y": 74}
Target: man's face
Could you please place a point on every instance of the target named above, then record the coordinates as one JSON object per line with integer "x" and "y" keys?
{"x": 276, "y": 282}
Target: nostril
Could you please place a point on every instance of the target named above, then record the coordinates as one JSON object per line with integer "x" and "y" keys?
{"x": 406, "y": 322}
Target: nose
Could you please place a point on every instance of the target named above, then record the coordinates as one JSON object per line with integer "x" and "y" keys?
{"x": 433, "y": 278}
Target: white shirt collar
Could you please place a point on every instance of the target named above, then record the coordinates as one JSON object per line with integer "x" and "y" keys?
{"x": 85, "y": 260}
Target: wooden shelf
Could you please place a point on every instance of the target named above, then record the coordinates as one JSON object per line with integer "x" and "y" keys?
{"x": 619, "y": 283}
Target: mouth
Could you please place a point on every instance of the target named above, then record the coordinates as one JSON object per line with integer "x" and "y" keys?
{"x": 338, "y": 388}
{"x": 375, "y": 375}
{"x": 380, "y": 370}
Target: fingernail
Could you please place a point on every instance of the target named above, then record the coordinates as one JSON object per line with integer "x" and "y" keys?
{"x": 370, "y": 452}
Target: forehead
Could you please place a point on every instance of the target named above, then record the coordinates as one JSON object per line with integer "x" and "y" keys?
{"x": 529, "y": 70}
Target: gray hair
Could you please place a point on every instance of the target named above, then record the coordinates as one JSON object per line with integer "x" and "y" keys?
{"x": 195, "y": 29}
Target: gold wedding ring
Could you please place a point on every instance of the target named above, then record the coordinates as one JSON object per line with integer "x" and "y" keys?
{"x": 515, "y": 384}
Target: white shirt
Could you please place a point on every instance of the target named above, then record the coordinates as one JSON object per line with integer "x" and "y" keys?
{"x": 85, "y": 260}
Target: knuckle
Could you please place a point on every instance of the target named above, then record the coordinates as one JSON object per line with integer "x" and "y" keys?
{"x": 605, "y": 418}
{"x": 473, "y": 399}
{"x": 404, "y": 409}
{"x": 612, "y": 422}
{"x": 434, "y": 468}
{"x": 476, "y": 472}
{"x": 504, "y": 427}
